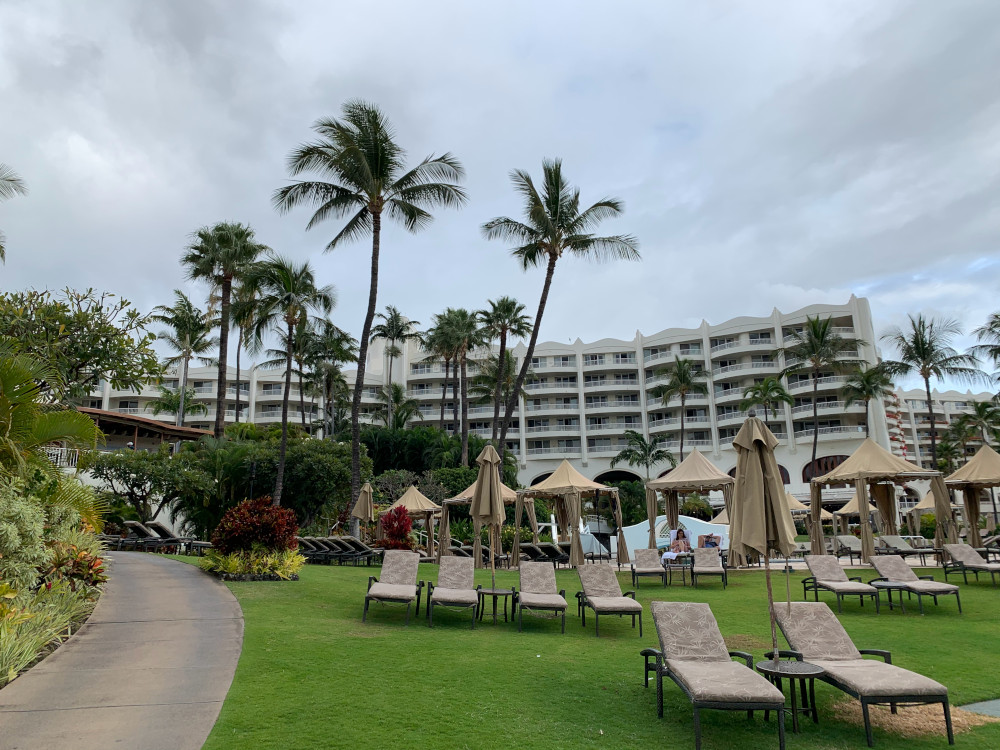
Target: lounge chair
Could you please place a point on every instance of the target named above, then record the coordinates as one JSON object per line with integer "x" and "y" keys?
{"x": 310, "y": 551}
{"x": 893, "y": 569}
{"x": 694, "y": 655}
{"x": 816, "y": 636}
{"x": 531, "y": 552}
{"x": 538, "y": 592}
{"x": 899, "y": 546}
{"x": 603, "y": 594}
{"x": 964, "y": 559}
{"x": 850, "y": 545}
{"x": 398, "y": 582}
{"x": 335, "y": 549}
{"x": 364, "y": 553}
{"x": 647, "y": 563}
{"x": 140, "y": 536}
{"x": 456, "y": 587}
{"x": 553, "y": 553}
{"x": 708, "y": 562}
{"x": 829, "y": 576}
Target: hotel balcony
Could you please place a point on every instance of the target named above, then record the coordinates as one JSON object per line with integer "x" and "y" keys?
{"x": 833, "y": 433}
{"x": 824, "y": 383}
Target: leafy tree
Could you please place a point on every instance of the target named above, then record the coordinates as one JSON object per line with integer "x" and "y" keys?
{"x": 396, "y": 407}
{"x": 189, "y": 334}
{"x": 632, "y": 496}
{"x": 10, "y": 185}
{"x": 988, "y": 336}
{"x": 332, "y": 347}
{"x": 396, "y": 330}
{"x": 696, "y": 506}
{"x": 298, "y": 347}
{"x": 983, "y": 421}
{"x": 244, "y": 310}
{"x": 464, "y": 332}
{"x": 817, "y": 348}
{"x": 768, "y": 393}
{"x": 683, "y": 380}
{"x": 504, "y": 318}
{"x": 455, "y": 479}
{"x": 949, "y": 452}
{"x": 867, "y": 384}
{"x": 221, "y": 254}
{"x": 359, "y": 156}
{"x": 288, "y": 293}
{"x": 172, "y": 401}
{"x": 483, "y": 385}
{"x": 393, "y": 483}
{"x": 925, "y": 349}
{"x": 642, "y": 452}
{"x": 439, "y": 342}
{"x": 83, "y": 337}
{"x": 553, "y": 225}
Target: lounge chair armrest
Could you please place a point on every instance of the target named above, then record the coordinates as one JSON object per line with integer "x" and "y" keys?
{"x": 855, "y": 578}
{"x": 580, "y": 596}
{"x": 748, "y": 658}
{"x": 886, "y": 656}
{"x": 562, "y": 593}
{"x": 656, "y": 653}
{"x": 478, "y": 588}
{"x": 925, "y": 578}
{"x": 880, "y": 578}
{"x": 371, "y": 580}
{"x": 430, "y": 587}
{"x": 809, "y": 579}
{"x": 629, "y": 593}
{"x": 784, "y": 653}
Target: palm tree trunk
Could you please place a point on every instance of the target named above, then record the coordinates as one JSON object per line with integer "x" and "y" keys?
{"x": 280, "y": 480}
{"x": 302, "y": 400}
{"x": 497, "y": 390}
{"x": 930, "y": 410}
{"x": 220, "y": 395}
{"x": 455, "y": 400}
{"x": 682, "y": 426}
{"x": 522, "y": 373}
{"x": 868, "y": 427}
{"x": 465, "y": 411}
{"x": 239, "y": 346}
{"x": 359, "y": 381}
{"x": 184, "y": 382}
{"x": 815, "y": 417}
{"x": 444, "y": 391}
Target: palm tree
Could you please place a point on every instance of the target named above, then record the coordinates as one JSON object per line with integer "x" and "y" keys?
{"x": 220, "y": 255}
{"x": 462, "y": 329}
{"x": 438, "y": 341}
{"x": 172, "y": 400}
{"x": 683, "y": 380}
{"x": 926, "y": 350}
{"x": 505, "y": 317}
{"x": 288, "y": 293}
{"x": 866, "y": 384}
{"x": 642, "y": 452}
{"x": 817, "y": 347}
{"x": 331, "y": 347}
{"x": 988, "y": 336}
{"x": 961, "y": 432}
{"x": 948, "y": 451}
{"x": 983, "y": 420}
{"x": 768, "y": 393}
{"x": 396, "y": 407}
{"x": 10, "y": 185}
{"x": 244, "y": 308}
{"x": 554, "y": 225}
{"x": 395, "y": 329}
{"x": 365, "y": 166}
{"x": 483, "y": 385}
{"x": 189, "y": 334}
{"x": 299, "y": 349}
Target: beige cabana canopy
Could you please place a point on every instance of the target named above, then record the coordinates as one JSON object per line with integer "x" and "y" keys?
{"x": 465, "y": 498}
{"x": 794, "y": 505}
{"x": 417, "y": 504}
{"x": 568, "y": 487}
{"x": 873, "y": 467}
{"x": 982, "y": 471}
{"x": 694, "y": 474}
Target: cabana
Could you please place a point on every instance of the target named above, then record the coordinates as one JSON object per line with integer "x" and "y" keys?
{"x": 981, "y": 472}
{"x": 569, "y": 487}
{"x": 847, "y": 511}
{"x": 872, "y": 466}
{"x": 694, "y": 474}
{"x": 465, "y": 498}
{"x": 927, "y": 505}
{"x": 417, "y": 504}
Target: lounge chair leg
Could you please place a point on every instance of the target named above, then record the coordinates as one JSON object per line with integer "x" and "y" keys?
{"x": 781, "y": 729}
{"x": 877, "y": 602}
{"x": 697, "y": 729}
{"x": 868, "y": 724}
{"x": 840, "y": 600}
{"x": 920, "y": 602}
{"x": 520, "y": 618}
{"x": 475, "y": 610}
{"x": 640, "y": 624}
{"x": 633, "y": 622}
{"x": 430, "y": 615}
{"x": 364, "y": 616}
{"x": 659, "y": 692}
{"x": 947, "y": 722}
{"x": 597, "y": 624}
{"x": 564, "y": 621}
{"x": 408, "y": 605}
{"x": 959, "y": 600}
{"x": 893, "y": 709}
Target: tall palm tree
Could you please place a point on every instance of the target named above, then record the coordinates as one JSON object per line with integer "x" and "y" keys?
{"x": 642, "y": 452}
{"x": 331, "y": 347}
{"x": 10, "y": 185}
{"x": 221, "y": 254}
{"x": 867, "y": 384}
{"x": 367, "y": 179}
{"x": 683, "y": 380}
{"x": 988, "y": 336}
{"x": 483, "y": 385}
{"x": 925, "y": 350}
{"x": 300, "y": 349}
{"x": 244, "y": 308}
{"x": 554, "y": 225}
{"x": 504, "y": 318}
{"x": 817, "y": 347}
{"x": 439, "y": 342}
{"x": 983, "y": 420}
{"x": 961, "y": 431}
{"x": 189, "y": 334}
{"x": 396, "y": 407}
{"x": 768, "y": 393}
{"x": 288, "y": 293}
{"x": 949, "y": 451}
{"x": 396, "y": 330}
{"x": 462, "y": 329}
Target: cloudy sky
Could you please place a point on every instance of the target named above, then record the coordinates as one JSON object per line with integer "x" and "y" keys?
{"x": 769, "y": 154}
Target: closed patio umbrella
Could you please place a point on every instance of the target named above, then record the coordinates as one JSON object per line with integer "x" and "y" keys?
{"x": 487, "y": 507}
{"x": 364, "y": 508}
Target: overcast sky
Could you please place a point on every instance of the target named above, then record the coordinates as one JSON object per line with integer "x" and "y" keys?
{"x": 769, "y": 154}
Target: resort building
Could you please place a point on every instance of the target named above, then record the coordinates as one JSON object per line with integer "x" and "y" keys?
{"x": 910, "y": 427}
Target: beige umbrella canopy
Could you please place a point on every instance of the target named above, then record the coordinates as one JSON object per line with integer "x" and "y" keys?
{"x": 487, "y": 503}
{"x": 797, "y": 506}
{"x": 722, "y": 518}
{"x": 694, "y": 474}
{"x": 364, "y": 509}
{"x": 416, "y": 504}
{"x": 982, "y": 471}
{"x": 465, "y": 498}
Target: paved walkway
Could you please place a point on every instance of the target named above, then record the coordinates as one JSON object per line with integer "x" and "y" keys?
{"x": 149, "y": 670}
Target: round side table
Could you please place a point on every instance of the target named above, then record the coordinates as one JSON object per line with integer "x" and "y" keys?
{"x": 804, "y": 673}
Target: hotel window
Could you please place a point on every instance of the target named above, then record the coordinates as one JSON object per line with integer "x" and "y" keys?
{"x": 563, "y": 361}
{"x": 594, "y": 379}
{"x": 271, "y": 389}
{"x": 763, "y": 337}
{"x": 625, "y": 358}
{"x": 597, "y": 401}
{"x": 593, "y": 359}
{"x": 537, "y": 362}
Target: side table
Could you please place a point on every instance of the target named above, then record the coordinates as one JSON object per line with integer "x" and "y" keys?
{"x": 888, "y": 587}
{"x": 802, "y": 671}
{"x": 496, "y": 594}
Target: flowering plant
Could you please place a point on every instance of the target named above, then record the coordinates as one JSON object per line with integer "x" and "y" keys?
{"x": 256, "y": 524}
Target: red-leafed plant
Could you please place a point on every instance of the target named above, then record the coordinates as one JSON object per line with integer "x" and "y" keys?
{"x": 256, "y": 524}
{"x": 396, "y": 527}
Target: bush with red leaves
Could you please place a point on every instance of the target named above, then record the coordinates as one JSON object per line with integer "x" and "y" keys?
{"x": 256, "y": 524}
{"x": 396, "y": 527}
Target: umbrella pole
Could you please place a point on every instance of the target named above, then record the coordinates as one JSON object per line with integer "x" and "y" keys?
{"x": 788, "y": 586}
{"x": 493, "y": 558}
{"x": 770, "y": 604}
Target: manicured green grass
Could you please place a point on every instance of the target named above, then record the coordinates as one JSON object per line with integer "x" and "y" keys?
{"x": 313, "y": 675}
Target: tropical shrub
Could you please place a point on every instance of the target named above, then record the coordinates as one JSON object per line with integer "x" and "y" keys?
{"x": 256, "y": 524}
{"x": 254, "y": 564}
{"x": 75, "y": 566}
{"x": 928, "y": 525}
{"x": 696, "y": 507}
{"x": 396, "y": 528}
{"x": 22, "y": 541}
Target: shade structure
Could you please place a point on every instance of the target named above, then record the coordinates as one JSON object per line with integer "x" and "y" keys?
{"x": 722, "y": 518}
{"x": 487, "y": 502}
{"x": 981, "y": 472}
{"x": 417, "y": 504}
{"x": 510, "y": 497}
{"x": 364, "y": 508}
{"x": 694, "y": 474}
{"x": 797, "y": 506}
{"x": 851, "y": 509}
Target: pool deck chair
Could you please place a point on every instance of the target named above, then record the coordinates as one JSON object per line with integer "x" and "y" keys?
{"x": 965, "y": 559}
{"x": 829, "y": 576}
{"x": 647, "y": 563}
{"x": 708, "y": 562}
{"x": 603, "y": 594}
{"x": 398, "y": 582}
{"x": 456, "y": 588}
{"x": 899, "y": 546}
{"x": 693, "y": 655}
{"x": 553, "y": 553}
{"x": 894, "y": 570}
{"x": 538, "y": 592}
{"x": 816, "y": 636}
{"x": 850, "y": 545}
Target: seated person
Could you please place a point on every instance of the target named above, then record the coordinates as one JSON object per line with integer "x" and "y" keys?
{"x": 679, "y": 545}
{"x": 712, "y": 541}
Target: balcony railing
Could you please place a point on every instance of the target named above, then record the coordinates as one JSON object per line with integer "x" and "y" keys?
{"x": 860, "y": 429}
{"x": 575, "y": 451}
{"x": 554, "y": 428}
{"x": 63, "y": 458}
{"x": 824, "y": 381}
{"x": 824, "y": 406}
{"x": 129, "y": 410}
{"x": 599, "y": 362}
{"x": 724, "y": 346}
{"x": 654, "y": 423}
{"x": 619, "y": 426}
{"x": 728, "y": 368}
{"x": 546, "y": 407}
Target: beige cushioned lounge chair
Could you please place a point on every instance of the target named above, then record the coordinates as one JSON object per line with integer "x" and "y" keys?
{"x": 829, "y": 576}
{"x": 538, "y": 591}
{"x": 964, "y": 559}
{"x": 893, "y": 568}
{"x": 647, "y": 563}
{"x": 603, "y": 594}
{"x": 708, "y": 562}
{"x": 397, "y": 582}
{"x": 456, "y": 587}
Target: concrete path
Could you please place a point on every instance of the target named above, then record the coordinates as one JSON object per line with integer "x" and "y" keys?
{"x": 149, "y": 670}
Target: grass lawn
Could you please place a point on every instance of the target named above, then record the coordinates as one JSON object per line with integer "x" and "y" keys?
{"x": 312, "y": 675}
